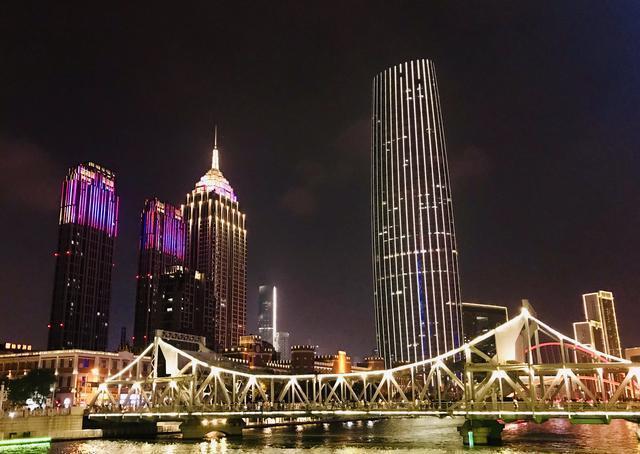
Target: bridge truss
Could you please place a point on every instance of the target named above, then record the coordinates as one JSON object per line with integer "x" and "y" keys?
{"x": 523, "y": 369}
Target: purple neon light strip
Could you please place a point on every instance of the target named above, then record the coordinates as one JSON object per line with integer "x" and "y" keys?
{"x": 89, "y": 202}
{"x": 163, "y": 232}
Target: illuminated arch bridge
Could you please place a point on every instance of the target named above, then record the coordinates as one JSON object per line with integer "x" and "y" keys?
{"x": 522, "y": 370}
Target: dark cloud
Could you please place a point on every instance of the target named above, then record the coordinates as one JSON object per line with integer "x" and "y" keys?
{"x": 337, "y": 165}
{"x": 27, "y": 176}
{"x": 138, "y": 90}
{"x": 300, "y": 201}
{"x": 471, "y": 165}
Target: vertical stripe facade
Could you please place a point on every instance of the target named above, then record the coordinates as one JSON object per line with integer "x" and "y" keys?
{"x": 415, "y": 260}
{"x": 84, "y": 259}
{"x": 216, "y": 244}
{"x": 162, "y": 247}
{"x": 216, "y": 249}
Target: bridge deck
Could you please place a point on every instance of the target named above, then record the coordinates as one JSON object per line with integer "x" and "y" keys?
{"x": 505, "y": 411}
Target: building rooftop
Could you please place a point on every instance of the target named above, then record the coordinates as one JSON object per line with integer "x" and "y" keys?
{"x": 214, "y": 180}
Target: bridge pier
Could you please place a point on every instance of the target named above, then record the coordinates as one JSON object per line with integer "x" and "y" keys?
{"x": 481, "y": 432}
{"x": 117, "y": 428}
{"x": 197, "y": 428}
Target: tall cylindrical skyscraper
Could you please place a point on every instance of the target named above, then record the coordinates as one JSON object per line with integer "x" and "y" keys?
{"x": 415, "y": 260}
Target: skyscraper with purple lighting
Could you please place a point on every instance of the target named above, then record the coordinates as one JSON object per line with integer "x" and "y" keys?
{"x": 84, "y": 259}
{"x": 161, "y": 247}
{"x": 216, "y": 249}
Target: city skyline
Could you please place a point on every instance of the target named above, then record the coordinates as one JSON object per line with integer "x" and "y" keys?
{"x": 536, "y": 121}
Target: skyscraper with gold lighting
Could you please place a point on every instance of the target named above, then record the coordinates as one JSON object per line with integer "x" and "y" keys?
{"x": 216, "y": 249}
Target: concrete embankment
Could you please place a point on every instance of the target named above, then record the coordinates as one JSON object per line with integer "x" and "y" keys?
{"x": 58, "y": 427}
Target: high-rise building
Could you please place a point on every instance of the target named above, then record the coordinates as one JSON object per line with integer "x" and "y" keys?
{"x": 479, "y": 319}
{"x": 216, "y": 247}
{"x": 588, "y": 334}
{"x": 180, "y": 302}
{"x": 267, "y": 315}
{"x": 283, "y": 345}
{"x": 600, "y": 325}
{"x": 415, "y": 258}
{"x": 84, "y": 259}
{"x": 161, "y": 246}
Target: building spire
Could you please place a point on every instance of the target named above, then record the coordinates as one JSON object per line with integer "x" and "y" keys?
{"x": 215, "y": 160}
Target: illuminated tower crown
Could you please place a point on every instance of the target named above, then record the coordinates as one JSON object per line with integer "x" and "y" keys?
{"x": 216, "y": 250}
{"x": 214, "y": 180}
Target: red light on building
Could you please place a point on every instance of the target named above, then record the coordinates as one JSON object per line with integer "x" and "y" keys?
{"x": 87, "y": 230}
{"x": 49, "y": 325}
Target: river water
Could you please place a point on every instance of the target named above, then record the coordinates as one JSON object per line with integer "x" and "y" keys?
{"x": 421, "y": 435}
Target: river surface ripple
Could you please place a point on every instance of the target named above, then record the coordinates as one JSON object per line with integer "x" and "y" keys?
{"x": 420, "y": 435}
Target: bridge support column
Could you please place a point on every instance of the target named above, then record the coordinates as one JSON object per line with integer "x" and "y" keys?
{"x": 481, "y": 432}
{"x": 117, "y": 428}
{"x": 197, "y": 428}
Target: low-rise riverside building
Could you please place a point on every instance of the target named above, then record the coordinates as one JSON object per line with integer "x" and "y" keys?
{"x": 252, "y": 349}
{"x": 78, "y": 372}
{"x": 632, "y": 354}
{"x": 305, "y": 361}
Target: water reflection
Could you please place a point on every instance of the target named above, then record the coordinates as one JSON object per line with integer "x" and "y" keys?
{"x": 421, "y": 435}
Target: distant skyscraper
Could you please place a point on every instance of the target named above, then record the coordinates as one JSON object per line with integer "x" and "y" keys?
{"x": 267, "y": 316}
{"x": 415, "y": 259}
{"x": 124, "y": 342}
{"x": 588, "y": 334}
{"x": 84, "y": 259}
{"x": 479, "y": 319}
{"x": 283, "y": 345}
{"x": 601, "y": 325}
{"x": 161, "y": 246}
{"x": 216, "y": 247}
{"x": 180, "y": 302}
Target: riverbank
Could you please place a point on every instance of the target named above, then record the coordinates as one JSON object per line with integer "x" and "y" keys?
{"x": 22, "y": 426}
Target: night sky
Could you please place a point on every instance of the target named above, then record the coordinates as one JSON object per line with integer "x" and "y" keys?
{"x": 541, "y": 105}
